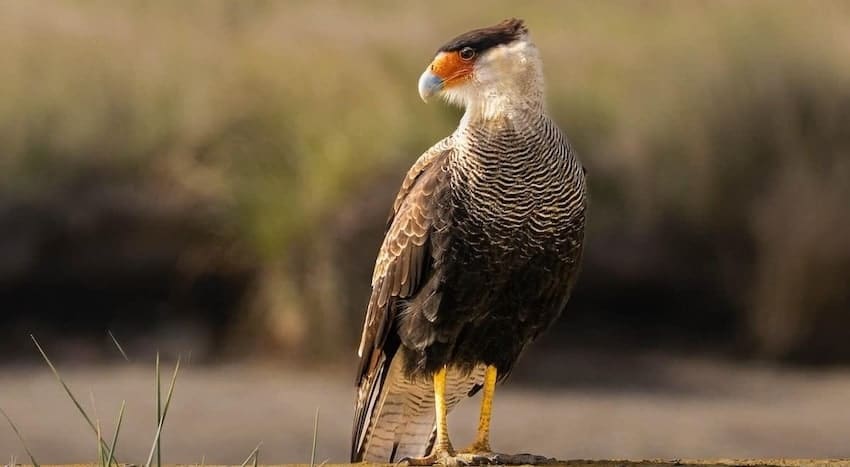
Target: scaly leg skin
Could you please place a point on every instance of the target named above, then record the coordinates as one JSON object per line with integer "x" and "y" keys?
{"x": 479, "y": 452}
{"x": 481, "y": 447}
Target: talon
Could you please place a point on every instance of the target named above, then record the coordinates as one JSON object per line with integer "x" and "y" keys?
{"x": 482, "y": 460}
{"x": 440, "y": 456}
{"x": 522, "y": 459}
{"x": 419, "y": 461}
{"x": 475, "y": 456}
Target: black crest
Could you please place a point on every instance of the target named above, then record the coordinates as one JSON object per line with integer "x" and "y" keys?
{"x": 482, "y": 39}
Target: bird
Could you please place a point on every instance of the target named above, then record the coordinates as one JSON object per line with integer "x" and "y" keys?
{"x": 481, "y": 252}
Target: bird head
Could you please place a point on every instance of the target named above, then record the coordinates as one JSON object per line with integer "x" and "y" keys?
{"x": 486, "y": 65}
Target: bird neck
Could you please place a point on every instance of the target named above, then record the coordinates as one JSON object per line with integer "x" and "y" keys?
{"x": 513, "y": 109}
{"x": 516, "y": 101}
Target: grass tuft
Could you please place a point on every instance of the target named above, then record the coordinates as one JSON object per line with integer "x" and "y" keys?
{"x": 101, "y": 454}
{"x": 20, "y": 438}
{"x": 164, "y": 412}
{"x": 111, "y": 455}
{"x": 315, "y": 438}
{"x": 68, "y": 390}
{"x": 158, "y": 384}
{"x": 253, "y": 456}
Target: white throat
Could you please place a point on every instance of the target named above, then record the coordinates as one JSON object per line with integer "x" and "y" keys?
{"x": 502, "y": 106}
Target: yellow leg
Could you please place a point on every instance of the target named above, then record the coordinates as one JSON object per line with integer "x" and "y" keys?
{"x": 442, "y": 442}
{"x": 479, "y": 453}
{"x": 482, "y": 439}
{"x": 443, "y": 452}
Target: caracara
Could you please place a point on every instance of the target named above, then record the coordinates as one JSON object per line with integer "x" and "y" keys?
{"x": 481, "y": 251}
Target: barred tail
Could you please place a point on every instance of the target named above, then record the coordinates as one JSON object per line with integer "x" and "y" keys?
{"x": 395, "y": 415}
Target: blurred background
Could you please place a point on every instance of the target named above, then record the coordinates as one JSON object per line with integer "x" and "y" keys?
{"x": 211, "y": 179}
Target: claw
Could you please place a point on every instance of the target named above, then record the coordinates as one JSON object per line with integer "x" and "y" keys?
{"x": 475, "y": 458}
{"x": 445, "y": 459}
{"x": 414, "y": 461}
{"x": 521, "y": 459}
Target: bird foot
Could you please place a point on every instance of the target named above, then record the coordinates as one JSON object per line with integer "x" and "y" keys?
{"x": 440, "y": 456}
{"x": 464, "y": 459}
{"x": 523, "y": 459}
{"x": 494, "y": 458}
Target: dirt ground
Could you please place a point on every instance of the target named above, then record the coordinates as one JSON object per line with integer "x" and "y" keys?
{"x": 590, "y": 407}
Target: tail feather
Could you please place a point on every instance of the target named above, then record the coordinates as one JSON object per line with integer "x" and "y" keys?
{"x": 370, "y": 397}
{"x": 398, "y": 417}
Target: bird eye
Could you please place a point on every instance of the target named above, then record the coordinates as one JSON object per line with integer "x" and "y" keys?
{"x": 467, "y": 53}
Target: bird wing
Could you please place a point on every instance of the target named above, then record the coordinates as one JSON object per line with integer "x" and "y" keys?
{"x": 405, "y": 262}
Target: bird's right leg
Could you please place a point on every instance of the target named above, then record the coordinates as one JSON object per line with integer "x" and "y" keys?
{"x": 443, "y": 452}
{"x": 481, "y": 445}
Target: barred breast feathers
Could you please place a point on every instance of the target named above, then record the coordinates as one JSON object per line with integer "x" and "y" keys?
{"x": 517, "y": 171}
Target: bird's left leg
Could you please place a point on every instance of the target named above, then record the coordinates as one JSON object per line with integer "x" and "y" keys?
{"x": 480, "y": 452}
{"x": 481, "y": 446}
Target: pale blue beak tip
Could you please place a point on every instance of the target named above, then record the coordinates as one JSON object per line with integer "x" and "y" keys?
{"x": 429, "y": 84}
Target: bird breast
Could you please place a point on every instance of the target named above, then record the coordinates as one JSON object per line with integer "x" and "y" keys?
{"x": 514, "y": 186}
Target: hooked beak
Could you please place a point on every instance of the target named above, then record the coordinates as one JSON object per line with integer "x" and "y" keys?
{"x": 429, "y": 84}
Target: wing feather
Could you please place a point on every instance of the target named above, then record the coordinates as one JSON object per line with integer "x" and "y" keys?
{"x": 404, "y": 263}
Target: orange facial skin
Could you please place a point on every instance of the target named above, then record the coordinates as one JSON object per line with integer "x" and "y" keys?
{"x": 451, "y": 69}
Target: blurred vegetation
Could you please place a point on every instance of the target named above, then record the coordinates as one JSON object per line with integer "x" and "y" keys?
{"x": 254, "y": 148}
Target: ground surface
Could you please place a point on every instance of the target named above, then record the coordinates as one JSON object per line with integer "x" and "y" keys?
{"x": 597, "y": 463}
{"x": 592, "y": 407}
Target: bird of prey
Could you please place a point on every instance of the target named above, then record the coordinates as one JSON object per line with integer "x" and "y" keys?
{"x": 481, "y": 252}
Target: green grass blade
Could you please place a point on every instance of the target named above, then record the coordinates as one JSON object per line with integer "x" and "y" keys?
{"x": 93, "y": 405}
{"x": 20, "y": 438}
{"x": 65, "y": 386}
{"x": 164, "y": 411}
{"x": 111, "y": 456}
{"x": 253, "y": 455}
{"x": 118, "y": 346}
{"x": 158, "y": 411}
{"x": 101, "y": 457}
{"x": 315, "y": 438}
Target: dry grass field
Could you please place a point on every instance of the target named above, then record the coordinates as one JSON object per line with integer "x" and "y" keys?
{"x": 165, "y": 151}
